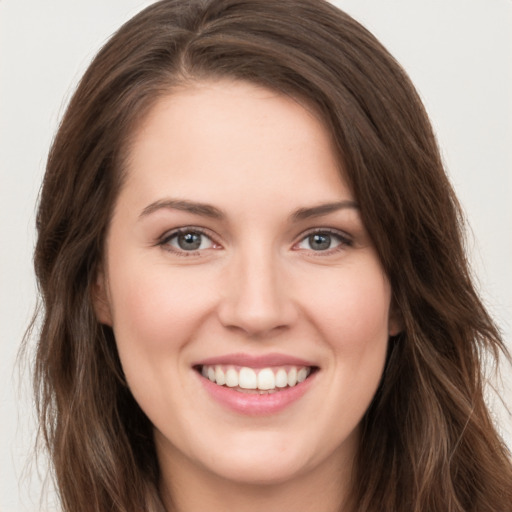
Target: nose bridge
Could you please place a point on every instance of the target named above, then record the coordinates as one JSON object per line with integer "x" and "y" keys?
{"x": 256, "y": 298}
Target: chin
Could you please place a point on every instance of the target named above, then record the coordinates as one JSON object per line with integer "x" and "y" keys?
{"x": 268, "y": 470}
{"x": 275, "y": 457}
{"x": 242, "y": 457}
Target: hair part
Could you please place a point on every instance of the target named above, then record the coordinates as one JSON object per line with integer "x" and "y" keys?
{"x": 428, "y": 442}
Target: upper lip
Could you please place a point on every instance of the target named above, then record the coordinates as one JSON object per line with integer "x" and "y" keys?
{"x": 254, "y": 361}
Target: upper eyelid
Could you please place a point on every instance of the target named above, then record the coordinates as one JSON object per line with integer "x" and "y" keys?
{"x": 167, "y": 235}
{"x": 330, "y": 231}
{"x": 345, "y": 241}
{"x": 163, "y": 241}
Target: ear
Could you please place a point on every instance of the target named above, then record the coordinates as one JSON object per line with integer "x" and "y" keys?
{"x": 100, "y": 299}
{"x": 395, "y": 322}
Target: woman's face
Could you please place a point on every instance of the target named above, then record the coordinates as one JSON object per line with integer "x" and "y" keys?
{"x": 250, "y": 309}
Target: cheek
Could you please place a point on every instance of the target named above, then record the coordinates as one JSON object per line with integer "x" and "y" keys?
{"x": 155, "y": 309}
{"x": 352, "y": 309}
{"x": 352, "y": 315}
{"x": 156, "y": 313}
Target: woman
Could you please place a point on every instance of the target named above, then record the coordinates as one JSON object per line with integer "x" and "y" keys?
{"x": 255, "y": 290}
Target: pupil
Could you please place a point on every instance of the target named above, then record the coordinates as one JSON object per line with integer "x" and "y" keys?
{"x": 189, "y": 241}
{"x": 319, "y": 242}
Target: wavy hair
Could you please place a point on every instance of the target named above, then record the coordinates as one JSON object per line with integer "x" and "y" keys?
{"x": 428, "y": 443}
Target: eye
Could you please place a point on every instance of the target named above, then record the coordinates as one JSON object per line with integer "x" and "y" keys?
{"x": 187, "y": 240}
{"x": 323, "y": 241}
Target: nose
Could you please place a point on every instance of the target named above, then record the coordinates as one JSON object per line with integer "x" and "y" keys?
{"x": 256, "y": 297}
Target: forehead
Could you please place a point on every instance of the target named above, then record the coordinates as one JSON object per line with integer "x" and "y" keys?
{"x": 232, "y": 137}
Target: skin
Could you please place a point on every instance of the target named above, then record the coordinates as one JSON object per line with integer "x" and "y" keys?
{"x": 256, "y": 285}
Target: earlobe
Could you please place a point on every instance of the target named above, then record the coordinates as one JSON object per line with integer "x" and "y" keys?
{"x": 394, "y": 329}
{"x": 100, "y": 299}
{"x": 395, "y": 323}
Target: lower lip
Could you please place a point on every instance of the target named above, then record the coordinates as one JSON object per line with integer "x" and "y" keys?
{"x": 253, "y": 404}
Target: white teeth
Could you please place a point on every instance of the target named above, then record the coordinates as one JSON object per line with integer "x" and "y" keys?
{"x": 220, "y": 376}
{"x": 302, "y": 374}
{"x": 264, "y": 379}
{"x": 232, "y": 378}
{"x": 247, "y": 379}
{"x": 281, "y": 378}
{"x": 292, "y": 377}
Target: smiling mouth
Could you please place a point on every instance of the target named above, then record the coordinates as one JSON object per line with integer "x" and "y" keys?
{"x": 256, "y": 380}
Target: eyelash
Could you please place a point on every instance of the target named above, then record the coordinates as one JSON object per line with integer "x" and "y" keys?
{"x": 167, "y": 237}
{"x": 344, "y": 240}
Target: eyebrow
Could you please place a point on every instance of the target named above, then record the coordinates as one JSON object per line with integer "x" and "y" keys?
{"x": 207, "y": 210}
{"x": 322, "y": 209}
{"x": 203, "y": 209}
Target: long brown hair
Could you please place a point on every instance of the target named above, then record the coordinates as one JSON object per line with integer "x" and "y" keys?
{"x": 428, "y": 442}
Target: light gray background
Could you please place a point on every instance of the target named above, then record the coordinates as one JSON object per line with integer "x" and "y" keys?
{"x": 458, "y": 53}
